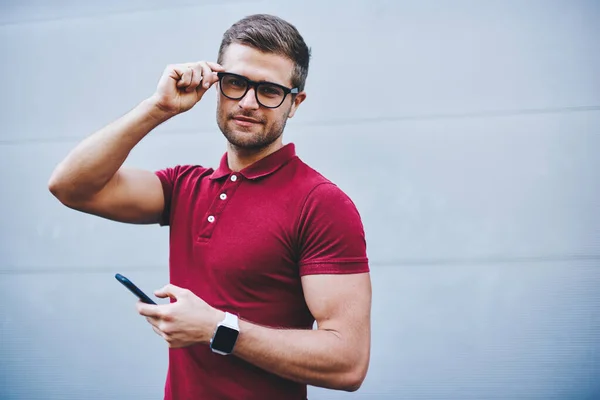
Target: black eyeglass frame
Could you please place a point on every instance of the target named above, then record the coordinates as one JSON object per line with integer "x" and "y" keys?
{"x": 253, "y": 84}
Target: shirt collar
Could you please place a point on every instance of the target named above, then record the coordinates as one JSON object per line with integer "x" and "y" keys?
{"x": 263, "y": 167}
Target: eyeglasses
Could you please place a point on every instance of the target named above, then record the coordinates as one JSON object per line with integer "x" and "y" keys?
{"x": 269, "y": 95}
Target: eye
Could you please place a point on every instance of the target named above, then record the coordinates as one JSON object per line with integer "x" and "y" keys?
{"x": 235, "y": 82}
{"x": 271, "y": 91}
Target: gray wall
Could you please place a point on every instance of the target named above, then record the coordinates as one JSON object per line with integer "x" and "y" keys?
{"x": 467, "y": 133}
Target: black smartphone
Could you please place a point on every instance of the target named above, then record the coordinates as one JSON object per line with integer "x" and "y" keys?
{"x": 134, "y": 289}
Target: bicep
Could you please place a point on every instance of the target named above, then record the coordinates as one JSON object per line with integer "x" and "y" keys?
{"x": 341, "y": 303}
{"x": 132, "y": 195}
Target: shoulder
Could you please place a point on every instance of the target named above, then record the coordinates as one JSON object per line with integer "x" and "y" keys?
{"x": 331, "y": 235}
{"x": 183, "y": 171}
{"x": 317, "y": 188}
{"x": 323, "y": 205}
{"x": 305, "y": 177}
{"x": 181, "y": 175}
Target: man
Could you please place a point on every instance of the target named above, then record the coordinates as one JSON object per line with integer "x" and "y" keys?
{"x": 260, "y": 247}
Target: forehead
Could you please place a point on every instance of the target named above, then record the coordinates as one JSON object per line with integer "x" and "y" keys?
{"x": 256, "y": 65}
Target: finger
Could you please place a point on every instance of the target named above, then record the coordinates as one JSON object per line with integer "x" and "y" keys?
{"x": 185, "y": 74}
{"x": 208, "y": 83}
{"x": 207, "y": 75}
{"x": 213, "y": 77}
{"x": 191, "y": 85}
{"x": 158, "y": 332}
{"x": 171, "y": 291}
{"x": 177, "y": 74}
{"x": 160, "y": 294}
{"x": 148, "y": 310}
{"x": 196, "y": 78}
{"x": 187, "y": 77}
{"x": 153, "y": 321}
{"x": 215, "y": 67}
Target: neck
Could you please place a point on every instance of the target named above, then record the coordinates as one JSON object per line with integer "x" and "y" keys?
{"x": 240, "y": 158}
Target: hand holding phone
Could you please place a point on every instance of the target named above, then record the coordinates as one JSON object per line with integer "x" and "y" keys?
{"x": 134, "y": 289}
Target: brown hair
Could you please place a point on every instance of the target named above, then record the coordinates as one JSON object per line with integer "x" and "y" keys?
{"x": 271, "y": 34}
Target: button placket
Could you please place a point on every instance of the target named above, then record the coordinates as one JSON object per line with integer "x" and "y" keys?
{"x": 217, "y": 206}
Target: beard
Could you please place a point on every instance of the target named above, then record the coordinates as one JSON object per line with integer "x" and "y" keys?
{"x": 256, "y": 137}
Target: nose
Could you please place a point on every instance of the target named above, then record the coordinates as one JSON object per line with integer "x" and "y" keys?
{"x": 249, "y": 102}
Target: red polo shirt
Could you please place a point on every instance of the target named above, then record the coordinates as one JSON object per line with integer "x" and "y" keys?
{"x": 241, "y": 241}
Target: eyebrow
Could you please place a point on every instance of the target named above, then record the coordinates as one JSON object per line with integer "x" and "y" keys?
{"x": 261, "y": 81}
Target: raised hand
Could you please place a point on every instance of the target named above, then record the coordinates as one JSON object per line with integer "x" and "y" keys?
{"x": 181, "y": 86}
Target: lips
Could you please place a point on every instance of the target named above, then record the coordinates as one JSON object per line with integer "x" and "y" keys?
{"x": 245, "y": 122}
{"x": 246, "y": 119}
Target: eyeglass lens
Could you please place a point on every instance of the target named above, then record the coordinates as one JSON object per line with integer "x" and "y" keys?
{"x": 269, "y": 95}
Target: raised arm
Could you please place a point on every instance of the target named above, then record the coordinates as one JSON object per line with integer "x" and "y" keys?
{"x": 92, "y": 177}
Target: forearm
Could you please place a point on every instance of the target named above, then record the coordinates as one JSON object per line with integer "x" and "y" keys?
{"x": 315, "y": 357}
{"x": 90, "y": 165}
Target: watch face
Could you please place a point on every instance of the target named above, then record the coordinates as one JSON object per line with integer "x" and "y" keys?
{"x": 224, "y": 339}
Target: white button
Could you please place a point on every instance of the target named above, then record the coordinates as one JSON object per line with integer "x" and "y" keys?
{"x": 211, "y": 219}
{"x": 223, "y": 196}
{"x": 233, "y": 178}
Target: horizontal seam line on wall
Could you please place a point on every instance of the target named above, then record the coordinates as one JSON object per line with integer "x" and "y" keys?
{"x": 490, "y": 260}
{"x": 345, "y": 122}
{"x": 374, "y": 265}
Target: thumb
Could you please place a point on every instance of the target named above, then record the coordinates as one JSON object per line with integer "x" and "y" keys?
{"x": 169, "y": 290}
{"x": 210, "y": 80}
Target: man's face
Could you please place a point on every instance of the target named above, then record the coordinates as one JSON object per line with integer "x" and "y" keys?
{"x": 245, "y": 123}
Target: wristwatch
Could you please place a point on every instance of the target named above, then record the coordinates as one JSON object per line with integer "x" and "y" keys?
{"x": 225, "y": 335}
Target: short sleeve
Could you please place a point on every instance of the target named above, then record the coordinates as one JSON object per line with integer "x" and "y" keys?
{"x": 331, "y": 234}
{"x": 167, "y": 177}
{"x": 172, "y": 180}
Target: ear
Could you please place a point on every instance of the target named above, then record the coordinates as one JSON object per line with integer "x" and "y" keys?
{"x": 300, "y": 97}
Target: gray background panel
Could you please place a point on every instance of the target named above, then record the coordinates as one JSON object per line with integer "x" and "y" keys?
{"x": 523, "y": 330}
{"x": 467, "y": 133}
{"x": 427, "y": 190}
{"x": 437, "y": 59}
